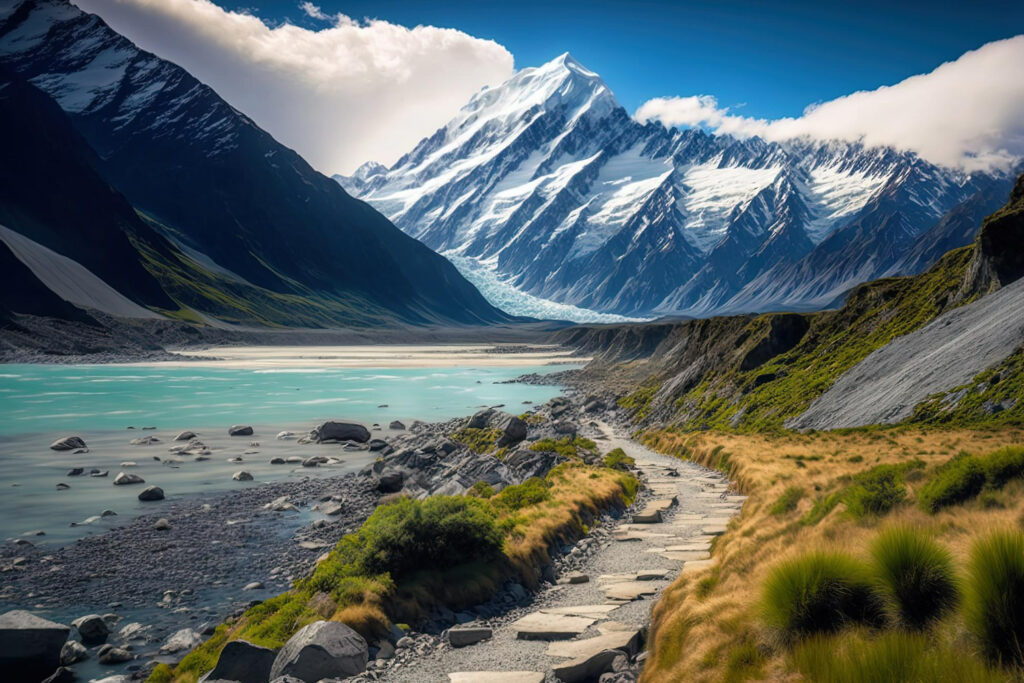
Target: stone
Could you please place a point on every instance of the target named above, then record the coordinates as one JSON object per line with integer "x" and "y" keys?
{"x": 161, "y": 524}
{"x": 185, "y": 436}
{"x": 544, "y": 626}
{"x": 577, "y": 577}
{"x": 278, "y": 461}
{"x": 480, "y": 419}
{"x": 68, "y": 443}
{"x": 323, "y": 649}
{"x": 61, "y": 675}
{"x": 468, "y": 635}
{"x": 108, "y": 513}
{"x": 254, "y": 586}
{"x": 592, "y": 611}
{"x": 75, "y": 472}
{"x": 652, "y": 517}
{"x": 565, "y": 427}
{"x": 242, "y": 475}
{"x": 151, "y": 493}
{"x": 180, "y": 641}
{"x": 515, "y": 431}
{"x": 144, "y": 441}
{"x": 124, "y": 478}
{"x": 390, "y": 481}
{"x": 92, "y": 628}
{"x": 629, "y": 590}
{"x": 496, "y": 677}
{"x": 116, "y": 655}
{"x": 240, "y": 430}
{"x": 99, "y": 473}
{"x": 331, "y": 508}
{"x": 396, "y": 425}
{"x": 377, "y": 445}
{"x": 243, "y": 662}
{"x": 63, "y": 487}
{"x": 30, "y": 646}
{"x": 341, "y": 431}
{"x": 626, "y": 640}
{"x": 585, "y": 668}
{"x": 129, "y": 463}
{"x": 73, "y": 651}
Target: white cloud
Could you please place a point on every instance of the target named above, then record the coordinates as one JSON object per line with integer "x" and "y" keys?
{"x": 966, "y": 113}
{"x": 350, "y": 92}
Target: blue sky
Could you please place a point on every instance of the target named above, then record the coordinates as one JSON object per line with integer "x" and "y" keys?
{"x": 770, "y": 59}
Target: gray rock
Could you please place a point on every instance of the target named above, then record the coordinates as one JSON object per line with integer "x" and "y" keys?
{"x": 61, "y": 675}
{"x": 68, "y": 443}
{"x": 99, "y": 473}
{"x": 73, "y": 651}
{"x": 242, "y": 475}
{"x": 181, "y": 641}
{"x": 390, "y": 481}
{"x": 151, "y": 493}
{"x": 75, "y": 472}
{"x": 481, "y": 418}
{"x": 161, "y": 524}
{"x": 396, "y": 425}
{"x": 185, "y": 436}
{"x": 565, "y": 427}
{"x": 467, "y": 635}
{"x": 253, "y": 586}
{"x": 240, "y": 430}
{"x": 63, "y": 487}
{"x": 30, "y": 647}
{"x": 144, "y": 441}
{"x": 377, "y": 445}
{"x": 323, "y": 649}
{"x": 243, "y": 662}
{"x": 108, "y": 513}
{"x": 385, "y": 650}
{"x": 278, "y": 461}
{"x": 124, "y": 478}
{"x": 515, "y": 431}
{"x": 115, "y": 655}
{"x": 586, "y": 668}
{"x": 92, "y": 628}
{"x": 341, "y": 431}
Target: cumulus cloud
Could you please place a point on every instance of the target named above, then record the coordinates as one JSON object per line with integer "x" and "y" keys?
{"x": 345, "y": 93}
{"x": 968, "y": 113}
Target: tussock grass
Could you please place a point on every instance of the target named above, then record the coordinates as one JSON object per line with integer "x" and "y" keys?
{"x": 961, "y": 479}
{"x": 995, "y": 596}
{"x": 820, "y": 592}
{"x": 788, "y": 501}
{"x": 916, "y": 575}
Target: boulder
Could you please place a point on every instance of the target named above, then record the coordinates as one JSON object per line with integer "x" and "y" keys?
{"x": 586, "y": 668}
{"x": 151, "y": 493}
{"x": 278, "y": 461}
{"x": 341, "y": 431}
{"x": 390, "y": 481}
{"x": 30, "y": 647}
{"x": 515, "y": 431}
{"x": 324, "y": 649}
{"x": 565, "y": 427}
{"x": 115, "y": 655}
{"x": 395, "y": 424}
{"x": 240, "y": 430}
{"x": 92, "y": 628}
{"x": 123, "y": 478}
{"x": 242, "y": 475}
{"x": 466, "y": 635}
{"x": 161, "y": 524}
{"x": 75, "y": 472}
{"x": 480, "y": 419}
{"x": 181, "y": 641}
{"x": 185, "y": 436}
{"x": 378, "y": 445}
{"x": 243, "y": 662}
{"x": 68, "y": 443}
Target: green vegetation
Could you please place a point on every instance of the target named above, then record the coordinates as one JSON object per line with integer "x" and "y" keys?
{"x": 991, "y": 399}
{"x": 876, "y": 491}
{"x": 820, "y": 592}
{"x": 481, "y": 489}
{"x": 617, "y": 459}
{"x": 894, "y": 657}
{"x": 1002, "y": 466}
{"x": 916, "y": 575}
{"x": 639, "y": 402}
{"x": 482, "y": 440}
{"x": 960, "y": 479}
{"x": 533, "y": 491}
{"x": 568, "y": 446}
{"x": 994, "y": 598}
{"x": 788, "y": 501}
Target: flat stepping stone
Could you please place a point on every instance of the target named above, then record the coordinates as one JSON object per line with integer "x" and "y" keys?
{"x": 591, "y": 611}
{"x": 468, "y": 635}
{"x": 653, "y": 517}
{"x": 685, "y": 556}
{"x": 716, "y": 521}
{"x": 713, "y": 530}
{"x": 496, "y": 677}
{"x": 625, "y": 538}
{"x": 627, "y": 641}
{"x": 689, "y": 547}
{"x": 651, "y": 574}
{"x": 661, "y": 505}
{"x": 629, "y": 590}
{"x": 696, "y": 565}
{"x": 544, "y": 626}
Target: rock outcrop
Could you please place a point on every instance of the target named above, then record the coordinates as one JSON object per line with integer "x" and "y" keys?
{"x": 30, "y": 646}
{"x": 324, "y": 649}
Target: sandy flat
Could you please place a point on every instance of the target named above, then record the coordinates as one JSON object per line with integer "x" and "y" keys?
{"x": 371, "y": 356}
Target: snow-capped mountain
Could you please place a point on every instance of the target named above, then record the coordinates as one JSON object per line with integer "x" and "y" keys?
{"x": 248, "y": 231}
{"x": 548, "y": 182}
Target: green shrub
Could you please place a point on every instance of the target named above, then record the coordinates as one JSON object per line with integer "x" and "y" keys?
{"x": 1003, "y": 465}
{"x": 478, "y": 440}
{"x": 568, "y": 446}
{"x": 876, "y": 491}
{"x": 893, "y": 657}
{"x": 531, "y": 492}
{"x": 408, "y": 536}
{"x": 822, "y": 506}
{"x": 916, "y": 575}
{"x": 617, "y": 459}
{"x": 820, "y": 592}
{"x": 788, "y": 501}
{"x": 481, "y": 489}
{"x": 960, "y": 479}
{"x": 994, "y": 604}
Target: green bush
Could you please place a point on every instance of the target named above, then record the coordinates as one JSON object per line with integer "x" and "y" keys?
{"x": 1003, "y": 465}
{"x": 822, "y": 506}
{"x": 893, "y": 657}
{"x": 481, "y": 489}
{"x": 876, "y": 491}
{"x": 994, "y": 601}
{"x": 820, "y": 592}
{"x": 916, "y": 575}
{"x": 531, "y": 492}
{"x": 617, "y": 459}
{"x": 408, "y": 536}
{"x": 960, "y": 479}
{"x": 787, "y": 502}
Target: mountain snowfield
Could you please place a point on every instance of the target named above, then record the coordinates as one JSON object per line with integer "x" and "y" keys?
{"x": 548, "y": 182}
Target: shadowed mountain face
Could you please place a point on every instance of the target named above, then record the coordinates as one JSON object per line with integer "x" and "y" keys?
{"x": 239, "y": 204}
{"x": 547, "y": 180}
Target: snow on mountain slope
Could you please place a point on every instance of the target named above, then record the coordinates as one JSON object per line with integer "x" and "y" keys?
{"x": 571, "y": 200}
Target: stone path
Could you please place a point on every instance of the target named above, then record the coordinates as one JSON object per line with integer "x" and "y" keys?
{"x": 573, "y": 631}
